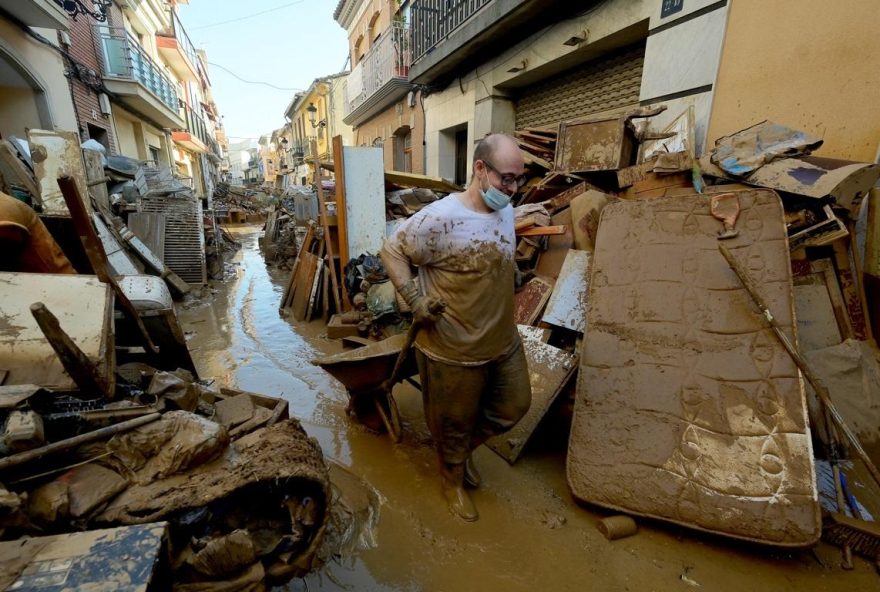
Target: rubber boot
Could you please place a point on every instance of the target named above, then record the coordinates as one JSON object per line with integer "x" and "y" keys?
{"x": 457, "y": 498}
{"x": 472, "y": 476}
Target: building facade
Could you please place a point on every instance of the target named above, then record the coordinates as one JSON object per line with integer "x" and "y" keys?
{"x": 34, "y": 92}
{"x": 159, "y": 91}
{"x": 502, "y": 65}
{"x": 314, "y": 117}
{"x": 382, "y": 106}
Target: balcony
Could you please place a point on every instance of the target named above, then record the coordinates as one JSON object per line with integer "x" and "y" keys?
{"x": 195, "y": 135}
{"x": 381, "y": 77}
{"x": 176, "y": 48}
{"x": 454, "y": 35}
{"x": 130, "y": 73}
{"x": 37, "y": 13}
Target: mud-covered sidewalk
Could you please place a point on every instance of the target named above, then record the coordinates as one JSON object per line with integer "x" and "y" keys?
{"x": 531, "y": 533}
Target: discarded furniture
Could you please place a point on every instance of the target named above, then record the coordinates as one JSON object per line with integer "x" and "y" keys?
{"x": 84, "y": 308}
{"x": 688, "y": 409}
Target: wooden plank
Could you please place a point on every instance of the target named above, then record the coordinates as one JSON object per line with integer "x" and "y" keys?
{"x": 96, "y": 179}
{"x": 415, "y": 180}
{"x": 817, "y": 325}
{"x": 305, "y": 276}
{"x": 825, "y": 268}
{"x": 339, "y": 163}
{"x": 540, "y": 139}
{"x": 150, "y": 228}
{"x": 851, "y": 297}
{"x": 550, "y": 369}
{"x": 329, "y": 244}
{"x": 542, "y": 231}
{"x": 529, "y": 301}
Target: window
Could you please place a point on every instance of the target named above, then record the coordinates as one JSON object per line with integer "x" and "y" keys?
{"x": 155, "y": 154}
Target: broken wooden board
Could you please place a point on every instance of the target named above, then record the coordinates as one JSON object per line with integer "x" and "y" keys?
{"x": 84, "y": 308}
{"x": 55, "y": 155}
{"x": 542, "y": 231}
{"x": 414, "y": 180}
{"x": 304, "y": 280}
{"x": 530, "y": 300}
{"x": 549, "y": 369}
{"x": 127, "y": 558}
{"x": 567, "y": 306}
{"x": 688, "y": 409}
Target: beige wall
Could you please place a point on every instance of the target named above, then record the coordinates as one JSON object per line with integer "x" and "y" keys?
{"x": 810, "y": 65}
{"x": 381, "y": 11}
{"x": 385, "y": 124}
{"x": 46, "y": 67}
{"x": 18, "y": 111}
{"x": 125, "y": 135}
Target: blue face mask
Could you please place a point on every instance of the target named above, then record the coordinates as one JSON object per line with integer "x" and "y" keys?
{"x": 494, "y": 198}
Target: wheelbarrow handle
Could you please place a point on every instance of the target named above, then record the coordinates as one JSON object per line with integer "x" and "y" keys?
{"x": 436, "y": 308}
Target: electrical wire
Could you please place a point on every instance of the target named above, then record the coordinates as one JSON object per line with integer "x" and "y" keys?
{"x": 234, "y": 75}
{"x": 243, "y": 18}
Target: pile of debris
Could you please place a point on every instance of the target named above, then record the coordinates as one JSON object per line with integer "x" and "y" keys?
{"x": 236, "y": 204}
{"x": 105, "y": 424}
{"x": 647, "y": 278}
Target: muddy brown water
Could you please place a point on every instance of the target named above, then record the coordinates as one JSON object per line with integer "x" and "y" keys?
{"x": 531, "y": 533}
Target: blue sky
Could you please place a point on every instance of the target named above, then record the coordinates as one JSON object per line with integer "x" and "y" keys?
{"x": 293, "y": 43}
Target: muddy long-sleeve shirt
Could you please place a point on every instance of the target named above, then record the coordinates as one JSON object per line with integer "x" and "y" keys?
{"x": 467, "y": 259}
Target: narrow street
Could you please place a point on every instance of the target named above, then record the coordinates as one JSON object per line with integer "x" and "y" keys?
{"x": 531, "y": 533}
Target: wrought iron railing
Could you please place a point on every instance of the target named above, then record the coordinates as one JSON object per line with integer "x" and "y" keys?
{"x": 122, "y": 57}
{"x": 183, "y": 39}
{"x": 433, "y": 20}
{"x": 195, "y": 125}
{"x": 388, "y": 59}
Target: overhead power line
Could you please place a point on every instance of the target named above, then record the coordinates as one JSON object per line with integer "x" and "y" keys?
{"x": 269, "y": 84}
{"x": 246, "y": 17}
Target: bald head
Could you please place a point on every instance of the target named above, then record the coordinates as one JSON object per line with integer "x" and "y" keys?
{"x": 495, "y": 147}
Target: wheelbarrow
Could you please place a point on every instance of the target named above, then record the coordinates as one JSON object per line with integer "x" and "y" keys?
{"x": 366, "y": 373}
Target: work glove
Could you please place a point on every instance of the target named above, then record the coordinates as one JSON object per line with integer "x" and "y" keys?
{"x": 426, "y": 310}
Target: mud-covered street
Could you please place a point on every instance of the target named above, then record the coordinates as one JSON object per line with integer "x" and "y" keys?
{"x": 531, "y": 533}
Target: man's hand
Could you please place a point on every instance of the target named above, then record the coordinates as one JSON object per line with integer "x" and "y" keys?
{"x": 426, "y": 310}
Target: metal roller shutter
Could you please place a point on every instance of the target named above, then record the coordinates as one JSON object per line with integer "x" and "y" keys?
{"x": 610, "y": 82}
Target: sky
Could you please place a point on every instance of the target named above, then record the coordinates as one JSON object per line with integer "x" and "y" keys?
{"x": 289, "y": 45}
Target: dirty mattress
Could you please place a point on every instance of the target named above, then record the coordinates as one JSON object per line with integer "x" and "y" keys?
{"x": 687, "y": 408}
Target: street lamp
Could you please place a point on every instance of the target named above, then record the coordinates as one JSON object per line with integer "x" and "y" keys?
{"x": 312, "y": 114}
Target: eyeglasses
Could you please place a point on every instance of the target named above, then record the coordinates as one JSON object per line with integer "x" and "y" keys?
{"x": 508, "y": 179}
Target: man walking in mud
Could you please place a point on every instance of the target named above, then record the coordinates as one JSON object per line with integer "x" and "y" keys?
{"x": 474, "y": 378}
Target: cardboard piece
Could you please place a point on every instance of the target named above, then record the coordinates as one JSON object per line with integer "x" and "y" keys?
{"x": 688, "y": 409}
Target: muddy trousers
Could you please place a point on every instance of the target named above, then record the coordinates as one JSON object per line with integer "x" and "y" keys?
{"x": 467, "y": 405}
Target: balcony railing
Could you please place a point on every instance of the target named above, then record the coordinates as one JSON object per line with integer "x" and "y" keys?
{"x": 387, "y": 60}
{"x": 122, "y": 57}
{"x": 195, "y": 125}
{"x": 433, "y": 20}
{"x": 183, "y": 39}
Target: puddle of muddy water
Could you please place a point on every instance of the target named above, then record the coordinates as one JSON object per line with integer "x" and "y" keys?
{"x": 531, "y": 535}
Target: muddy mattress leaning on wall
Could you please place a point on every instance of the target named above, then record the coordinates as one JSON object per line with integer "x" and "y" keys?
{"x": 687, "y": 407}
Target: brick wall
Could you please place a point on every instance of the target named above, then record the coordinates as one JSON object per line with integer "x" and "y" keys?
{"x": 84, "y": 74}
